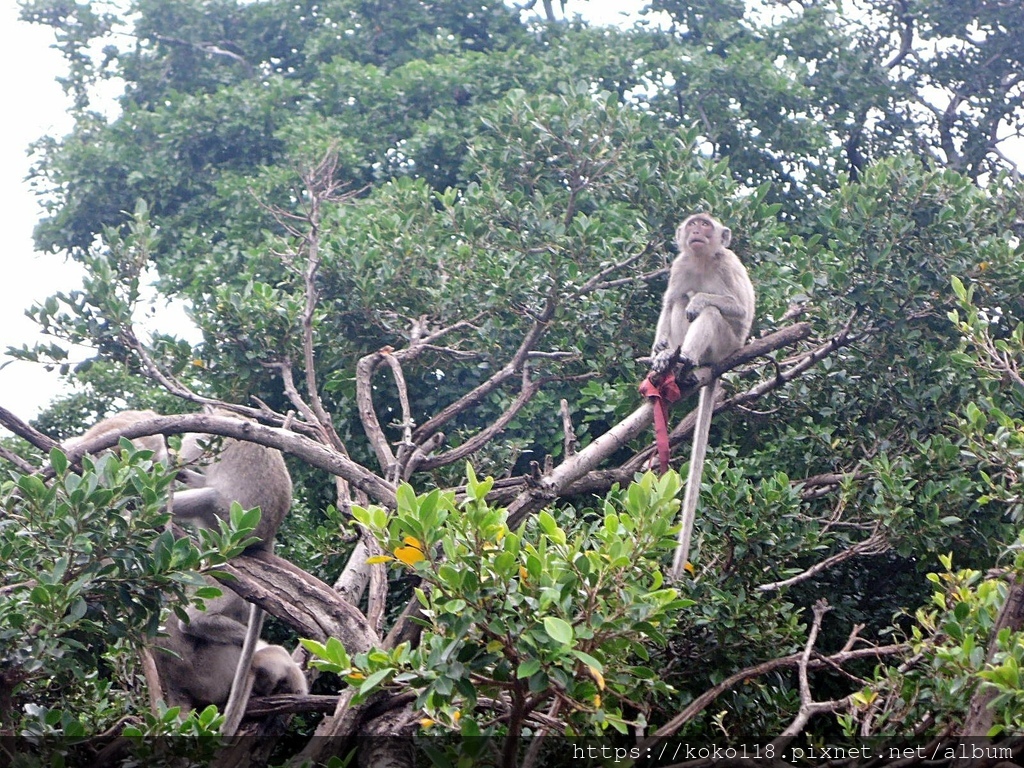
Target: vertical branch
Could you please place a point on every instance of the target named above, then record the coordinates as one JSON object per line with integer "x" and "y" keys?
{"x": 321, "y": 187}
{"x": 406, "y": 446}
{"x": 808, "y": 706}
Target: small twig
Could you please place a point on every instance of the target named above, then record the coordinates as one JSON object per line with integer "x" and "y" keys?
{"x": 596, "y": 282}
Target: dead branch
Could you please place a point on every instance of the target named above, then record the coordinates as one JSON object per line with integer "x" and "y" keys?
{"x": 702, "y": 702}
{"x": 527, "y": 390}
{"x": 510, "y": 369}
{"x": 365, "y": 369}
{"x": 570, "y": 443}
{"x": 875, "y": 544}
{"x": 808, "y": 706}
{"x": 307, "y": 449}
{"x": 406, "y": 445}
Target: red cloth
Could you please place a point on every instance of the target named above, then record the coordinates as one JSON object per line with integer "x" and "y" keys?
{"x": 664, "y": 392}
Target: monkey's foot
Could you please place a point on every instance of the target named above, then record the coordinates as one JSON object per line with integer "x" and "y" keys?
{"x": 685, "y": 375}
{"x": 661, "y": 361}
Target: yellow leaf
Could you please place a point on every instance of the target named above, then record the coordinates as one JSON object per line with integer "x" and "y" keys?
{"x": 523, "y": 573}
{"x": 412, "y": 541}
{"x": 689, "y": 568}
{"x": 356, "y": 676}
{"x": 457, "y": 715}
{"x": 379, "y": 559}
{"x": 598, "y": 677}
{"x": 409, "y": 555}
{"x": 426, "y": 722}
{"x": 597, "y": 700}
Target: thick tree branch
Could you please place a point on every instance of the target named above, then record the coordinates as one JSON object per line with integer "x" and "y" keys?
{"x": 299, "y": 599}
{"x": 25, "y": 431}
{"x": 569, "y": 476}
{"x": 307, "y": 449}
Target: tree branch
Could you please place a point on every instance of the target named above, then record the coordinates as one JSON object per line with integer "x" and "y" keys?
{"x": 702, "y": 702}
{"x": 307, "y": 449}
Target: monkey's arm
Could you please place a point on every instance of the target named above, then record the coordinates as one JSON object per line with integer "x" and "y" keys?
{"x": 729, "y": 306}
{"x": 202, "y": 506}
{"x": 213, "y": 628}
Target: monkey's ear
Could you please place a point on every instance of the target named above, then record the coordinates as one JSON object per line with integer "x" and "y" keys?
{"x": 726, "y": 236}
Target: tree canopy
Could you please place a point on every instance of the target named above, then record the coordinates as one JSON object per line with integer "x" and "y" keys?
{"x": 425, "y": 244}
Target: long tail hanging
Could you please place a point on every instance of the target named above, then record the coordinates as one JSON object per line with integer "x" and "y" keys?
{"x": 699, "y": 443}
{"x": 241, "y": 685}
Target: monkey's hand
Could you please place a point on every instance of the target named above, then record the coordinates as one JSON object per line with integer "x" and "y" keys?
{"x": 661, "y": 357}
{"x": 698, "y": 304}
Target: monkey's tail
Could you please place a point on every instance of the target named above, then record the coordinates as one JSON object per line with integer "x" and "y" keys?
{"x": 241, "y": 685}
{"x": 705, "y": 408}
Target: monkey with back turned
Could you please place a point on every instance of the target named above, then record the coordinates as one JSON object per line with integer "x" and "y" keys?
{"x": 216, "y": 656}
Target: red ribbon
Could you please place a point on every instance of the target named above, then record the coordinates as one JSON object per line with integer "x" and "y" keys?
{"x": 663, "y": 392}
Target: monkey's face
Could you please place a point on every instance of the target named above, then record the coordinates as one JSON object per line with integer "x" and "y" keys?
{"x": 701, "y": 235}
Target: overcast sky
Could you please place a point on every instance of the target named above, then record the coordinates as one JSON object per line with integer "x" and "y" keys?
{"x": 35, "y": 106}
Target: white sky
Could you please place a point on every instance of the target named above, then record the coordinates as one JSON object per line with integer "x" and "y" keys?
{"x": 35, "y": 107}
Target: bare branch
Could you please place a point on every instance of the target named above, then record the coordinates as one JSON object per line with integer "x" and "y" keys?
{"x": 514, "y": 366}
{"x": 407, "y": 422}
{"x": 365, "y": 369}
{"x": 570, "y": 443}
{"x": 875, "y": 544}
{"x": 597, "y": 281}
{"x": 297, "y": 598}
{"x": 702, "y": 702}
{"x": 307, "y": 449}
{"x": 19, "y": 463}
{"x": 27, "y": 432}
{"x": 808, "y": 706}
{"x": 480, "y": 439}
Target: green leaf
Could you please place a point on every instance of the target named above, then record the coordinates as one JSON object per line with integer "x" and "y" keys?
{"x": 559, "y": 630}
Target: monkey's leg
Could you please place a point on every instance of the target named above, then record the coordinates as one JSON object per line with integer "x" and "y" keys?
{"x": 709, "y": 338}
{"x": 241, "y": 686}
{"x": 705, "y": 407}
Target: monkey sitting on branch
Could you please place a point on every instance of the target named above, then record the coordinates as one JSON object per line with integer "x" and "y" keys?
{"x": 706, "y": 315}
{"x": 217, "y": 656}
{"x": 197, "y": 660}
